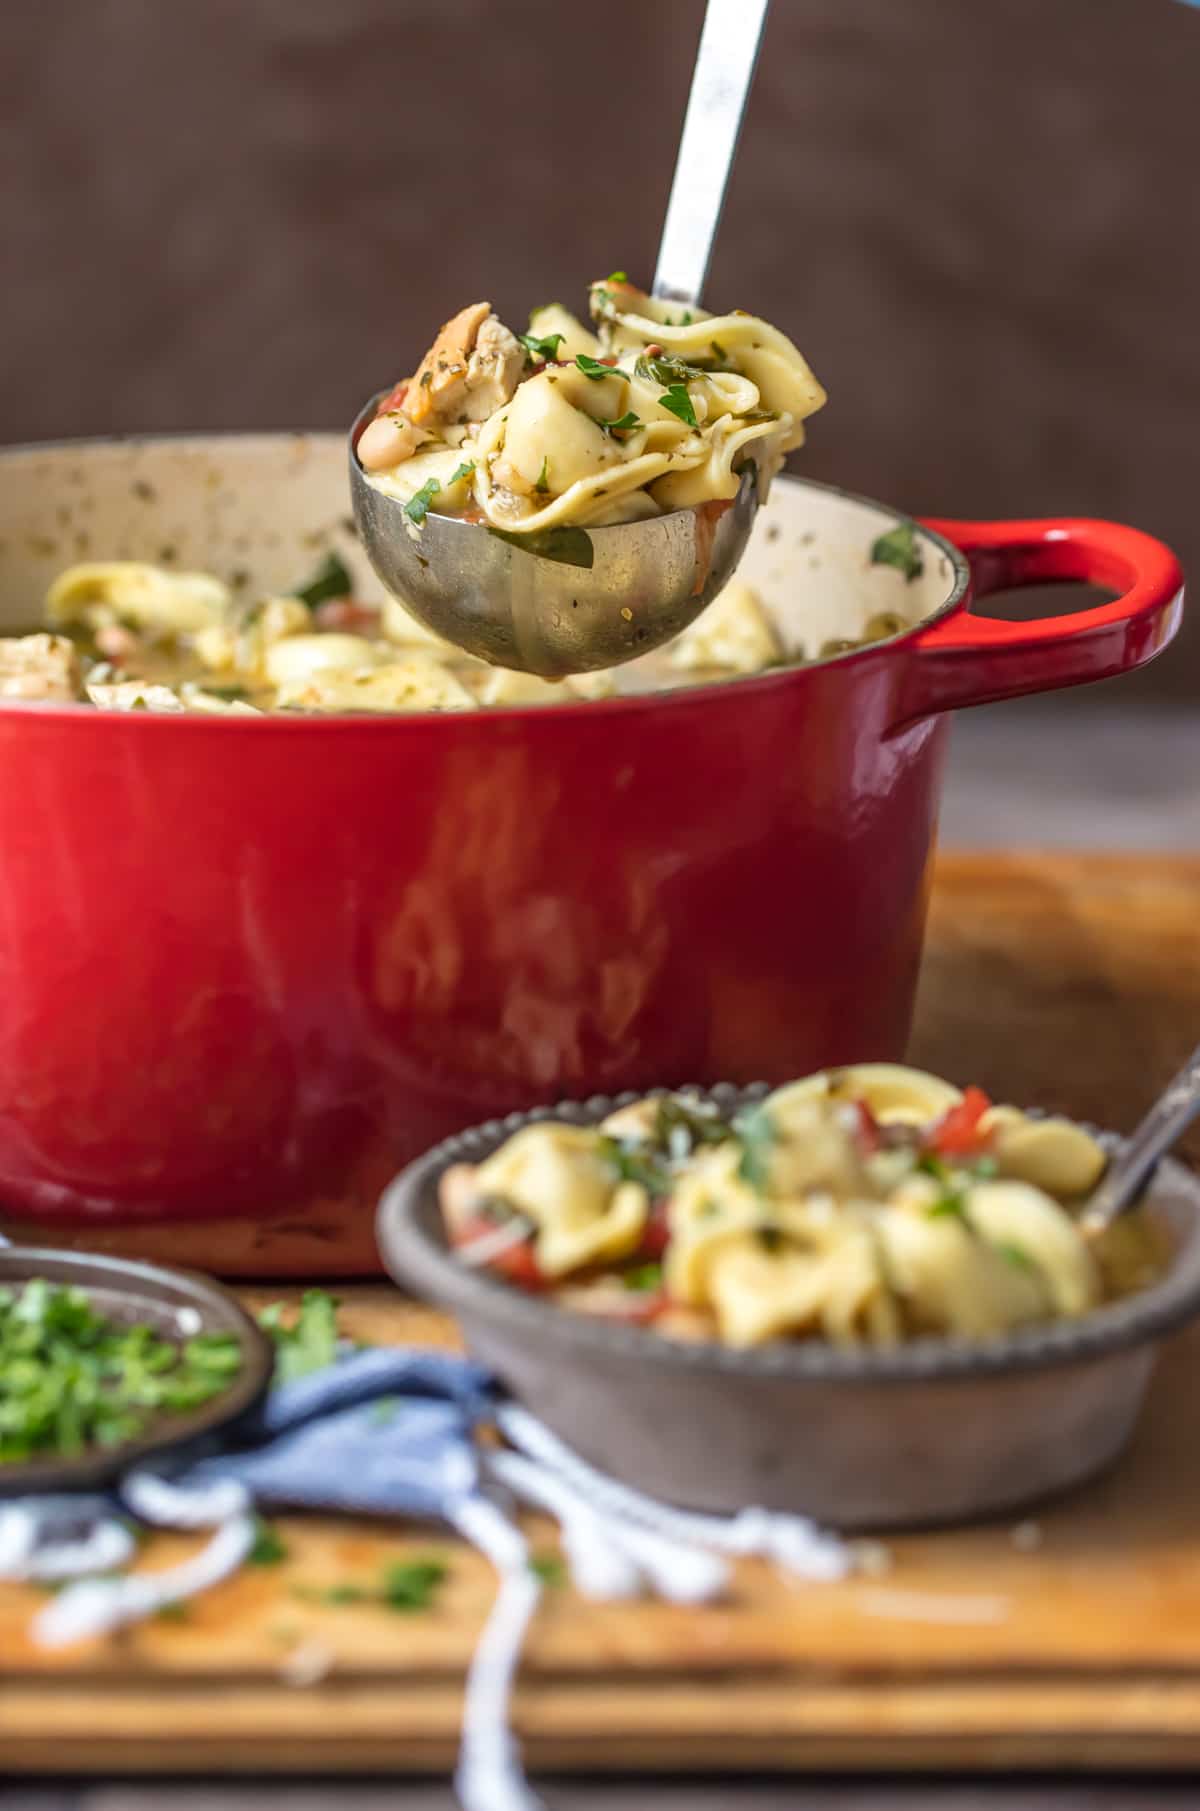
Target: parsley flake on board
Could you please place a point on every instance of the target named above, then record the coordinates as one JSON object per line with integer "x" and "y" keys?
{"x": 270, "y": 1548}
{"x": 308, "y": 1343}
{"x": 551, "y": 1568}
{"x": 404, "y": 1585}
{"x": 898, "y": 547}
{"x": 545, "y": 348}
{"x": 419, "y": 505}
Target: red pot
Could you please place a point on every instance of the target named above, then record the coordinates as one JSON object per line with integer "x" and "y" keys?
{"x": 249, "y": 967}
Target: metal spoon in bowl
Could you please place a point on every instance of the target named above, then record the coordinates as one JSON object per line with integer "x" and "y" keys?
{"x": 576, "y": 599}
{"x": 1166, "y": 1122}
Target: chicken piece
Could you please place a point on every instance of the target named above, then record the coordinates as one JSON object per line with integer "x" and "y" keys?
{"x": 39, "y": 666}
{"x": 493, "y": 370}
{"x": 471, "y": 369}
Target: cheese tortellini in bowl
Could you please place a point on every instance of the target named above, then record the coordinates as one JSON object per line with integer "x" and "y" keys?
{"x": 860, "y": 1206}
{"x": 652, "y": 408}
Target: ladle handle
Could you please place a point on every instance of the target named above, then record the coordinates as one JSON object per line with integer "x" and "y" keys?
{"x": 720, "y": 83}
{"x": 1166, "y": 1122}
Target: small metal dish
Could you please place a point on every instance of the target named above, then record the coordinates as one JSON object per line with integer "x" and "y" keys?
{"x": 936, "y": 1431}
{"x": 178, "y": 1305}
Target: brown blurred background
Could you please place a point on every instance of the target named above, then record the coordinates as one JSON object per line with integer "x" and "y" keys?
{"x": 977, "y": 217}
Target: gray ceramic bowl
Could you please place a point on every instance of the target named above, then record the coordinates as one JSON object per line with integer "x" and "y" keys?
{"x": 937, "y": 1431}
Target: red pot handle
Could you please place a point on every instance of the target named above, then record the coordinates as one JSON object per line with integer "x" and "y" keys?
{"x": 965, "y": 659}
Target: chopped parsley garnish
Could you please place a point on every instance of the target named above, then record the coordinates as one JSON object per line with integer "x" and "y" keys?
{"x": 461, "y": 471}
{"x": 1016, "y": 1255}
{"x": 623, "y": 424}
{"x": 697, "y": 1124}
{"x": 770, "y": 1237}
{"x": 719, "y": 352}
{"x": 617, "y": 276}
{"x": 644, "y": 1277}
{"x": 568, "y": 545}
{"x": 310, "y": 1342}
{"x": 419, "y": 505}
{"x": 218, "y": 688}
{"x": 951, "y": 1205}
{"x": 677, "y": 400}
{"x": 592, "y": 367}
{"x": 545, "y": 348}
{"x": 270, "y": 1548}
{"x": 426, "y": 379}
{"x": 543, "y": 477}
{"x": 551, "y": 1568}
{"x": 74, "y": 1379}
{"x": 331, "y": 579}
{"x": 404, "y": 1585}
{"x": 899, "y": 548}
{"x": 635, "y": 1163}
{"x": 930, "y": 1164}
{"x": 411, "y": 1584}
{"x": 665, "y": 368}
{"x": 756, "y": 1131}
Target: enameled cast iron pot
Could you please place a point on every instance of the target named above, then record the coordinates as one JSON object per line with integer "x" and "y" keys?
{"x": 248, "y": 966}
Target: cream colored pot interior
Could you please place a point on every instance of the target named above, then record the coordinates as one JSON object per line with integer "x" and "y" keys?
{"x": 260, "y": 510}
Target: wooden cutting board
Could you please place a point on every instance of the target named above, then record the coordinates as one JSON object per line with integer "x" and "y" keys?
{"x": 1071, "y": 1642}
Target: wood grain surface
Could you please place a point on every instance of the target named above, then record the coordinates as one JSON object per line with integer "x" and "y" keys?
{"x": 973, "y": 1649}
{"x": 1068, "y": 980}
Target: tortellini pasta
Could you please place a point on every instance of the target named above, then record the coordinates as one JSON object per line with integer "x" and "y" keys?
{"x": 133, "y": 636}
{"x": 863, "y": 1205}
{"x": 656, "y": 409}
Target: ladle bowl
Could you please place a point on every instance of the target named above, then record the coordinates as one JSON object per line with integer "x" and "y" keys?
{"x": 571, "y": 600}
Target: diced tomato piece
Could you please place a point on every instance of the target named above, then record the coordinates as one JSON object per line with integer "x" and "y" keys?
{"x": 957, "y": 1132}
{"x": 346, "y": 613}
{"x": 657, "y": 1234}
{"x": 394, "y": 398}
{"x": 636, "y": 1307}
{"x": 517, "y": 1263}
{"x": 866, "y": 1133}
{"x": 647, "y": 1306}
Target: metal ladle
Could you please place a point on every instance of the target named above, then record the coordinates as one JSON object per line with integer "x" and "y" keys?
{"x": 1122, "y": 1184}
{"x": 576, "y": 599}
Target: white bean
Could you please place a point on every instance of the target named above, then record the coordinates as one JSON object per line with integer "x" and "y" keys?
{"x": 386, "y": 441}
